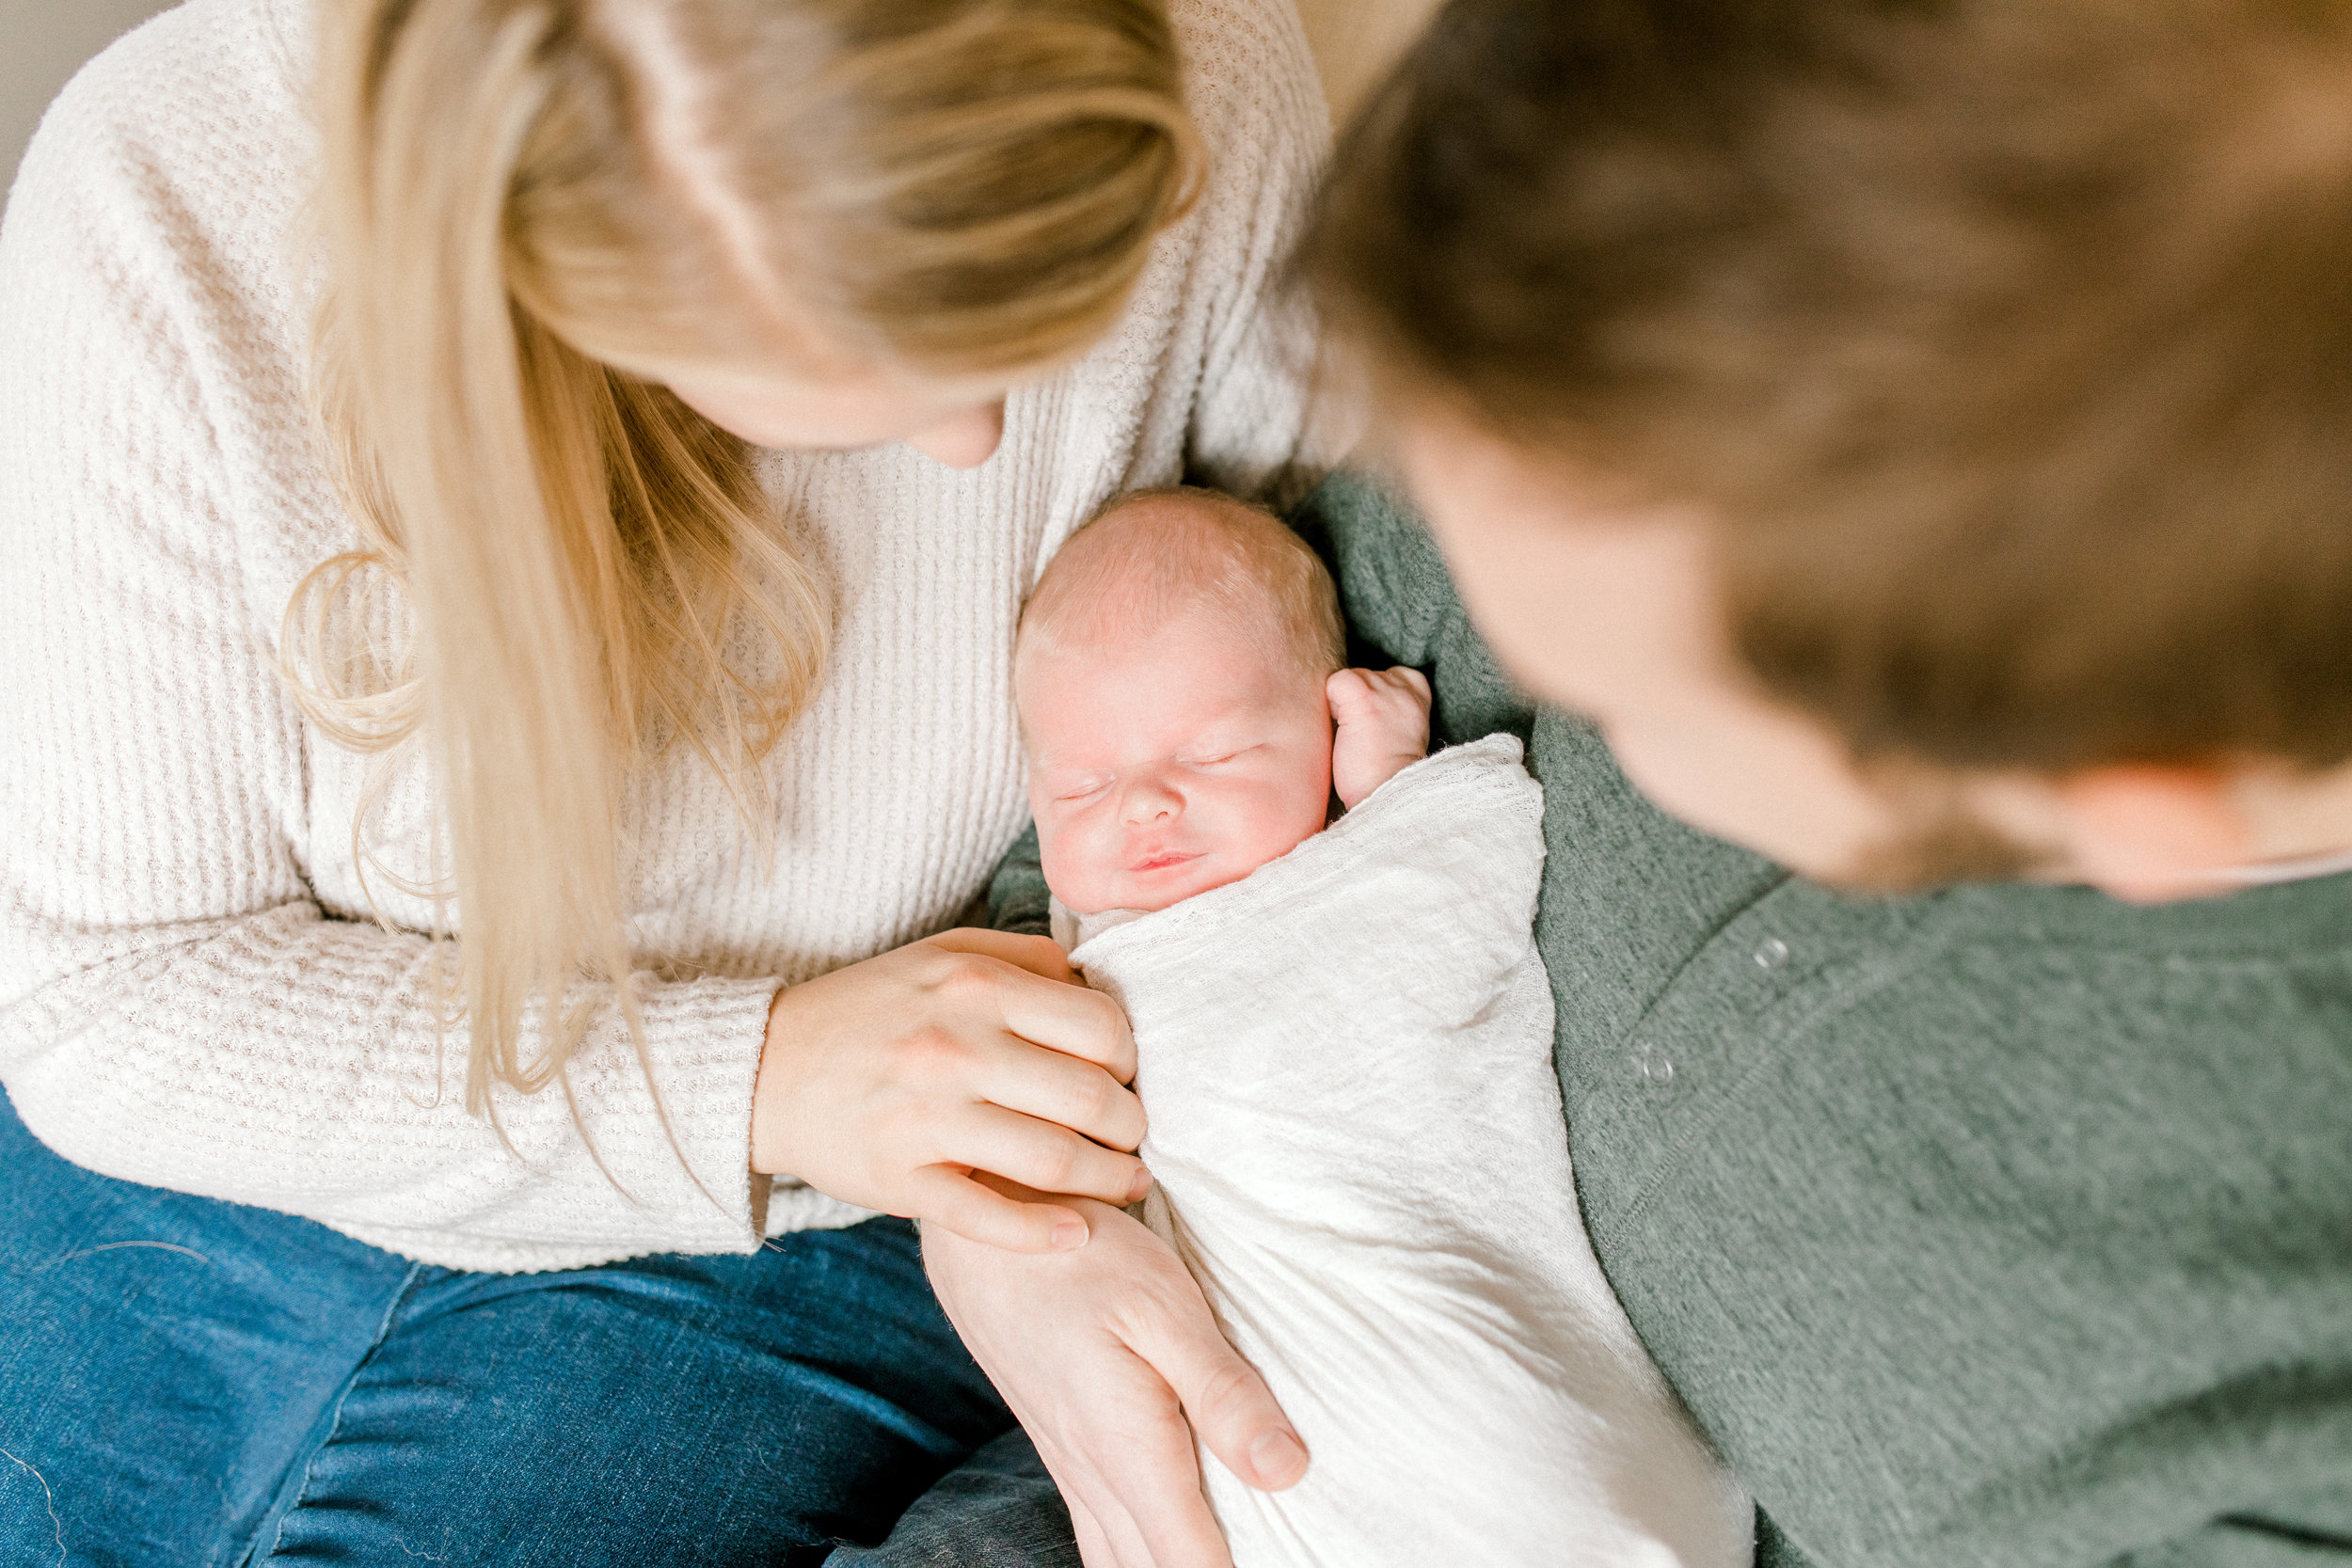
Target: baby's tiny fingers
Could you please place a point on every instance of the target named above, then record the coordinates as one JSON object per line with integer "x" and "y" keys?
{"x": 1410, "y": 679}
{"x": 942, "y": 1195}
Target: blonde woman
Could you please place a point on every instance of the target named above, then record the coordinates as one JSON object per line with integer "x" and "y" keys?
{"x": 514, "y": 515}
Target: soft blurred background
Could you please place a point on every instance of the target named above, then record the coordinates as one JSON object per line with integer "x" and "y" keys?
{"x": 43, "y": 43}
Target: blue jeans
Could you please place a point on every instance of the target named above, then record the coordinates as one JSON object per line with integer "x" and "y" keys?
{"x": 188, "y": 1382}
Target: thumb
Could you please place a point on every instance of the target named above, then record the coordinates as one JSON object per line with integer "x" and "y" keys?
{"x": 1346, "y": 692}
{"x": 1231, "y": 1410}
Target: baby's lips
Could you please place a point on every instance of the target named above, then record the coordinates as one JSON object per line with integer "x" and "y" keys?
{"x": 1161, "y": 860}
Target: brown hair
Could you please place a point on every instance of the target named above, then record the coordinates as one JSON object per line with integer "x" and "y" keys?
{"x": 1135, "y": 566}
{"x": 2010, "y": 340}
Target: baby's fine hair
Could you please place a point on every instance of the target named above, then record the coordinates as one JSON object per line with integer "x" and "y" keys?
{"x": 1136, "y": 566}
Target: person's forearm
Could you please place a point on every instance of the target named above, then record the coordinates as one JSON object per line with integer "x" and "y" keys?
{"x": 1104, "y": 1354}
{"x": 305, "y": 1065}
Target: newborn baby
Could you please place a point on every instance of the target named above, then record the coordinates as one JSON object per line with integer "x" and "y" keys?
{"x": 1343, "y": 1036}
{"x": 1179, "y": 675}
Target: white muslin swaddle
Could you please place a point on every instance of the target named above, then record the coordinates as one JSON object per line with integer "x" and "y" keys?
{"x": 1346, "y": 1060}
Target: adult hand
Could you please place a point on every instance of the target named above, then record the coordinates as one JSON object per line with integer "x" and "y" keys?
{"x": 888, "y": 1083}
{"x": 1383, "y": 728}
{"x": 1102, "y": 1354}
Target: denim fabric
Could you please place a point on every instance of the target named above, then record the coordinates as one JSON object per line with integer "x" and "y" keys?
{"x": 998, "y": 1509}
{"x": 187, "y": 1382}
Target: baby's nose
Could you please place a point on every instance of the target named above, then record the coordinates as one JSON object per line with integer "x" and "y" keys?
{"x": 1147, "y": 801}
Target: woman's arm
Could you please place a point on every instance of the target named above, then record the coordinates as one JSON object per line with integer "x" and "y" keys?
{"x": 177, "y": 1007}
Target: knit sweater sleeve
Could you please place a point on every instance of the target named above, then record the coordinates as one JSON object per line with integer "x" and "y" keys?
{"x": 1260, "y": 107}
{"x": 176, "y": 1007}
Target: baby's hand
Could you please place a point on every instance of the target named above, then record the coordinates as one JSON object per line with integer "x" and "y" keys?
{"x": 1383, "y": 718}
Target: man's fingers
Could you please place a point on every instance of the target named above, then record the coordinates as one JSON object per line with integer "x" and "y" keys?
{"x": 1229, "y": 1404}
{"x": 1098, "y": 1546}
{"x": 1150, "y": 1478}
{"x": 1046, "y": 1157}
{"x": 946, "y": 1195}
{"x": 1171, "y": 1521}
{"x": 1158, "y": 1517}
{"x": 1122, "y": 1540}
{"x": 1094, "y": 1548}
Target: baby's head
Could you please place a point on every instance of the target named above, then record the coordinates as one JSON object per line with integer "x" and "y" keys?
{"x": 1170, "y": 674}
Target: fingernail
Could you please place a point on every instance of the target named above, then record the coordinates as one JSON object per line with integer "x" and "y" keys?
{"x": 1070, "y": 1235}
{"x": 1277, "y": 1456}
{"x": 1142, "y": 1188}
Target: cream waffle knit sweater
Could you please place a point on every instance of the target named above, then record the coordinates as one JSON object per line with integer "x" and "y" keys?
{"x": 193, "y": 993}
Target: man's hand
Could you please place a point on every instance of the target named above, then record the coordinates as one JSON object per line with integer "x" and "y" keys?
{"x": 1383, "y": 720}
{"x": 1103, "y": 1354}
{"x": 890, "y": 1082}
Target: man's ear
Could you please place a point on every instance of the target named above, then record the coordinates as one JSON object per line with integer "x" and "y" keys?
{"x": 2150, "y": 835}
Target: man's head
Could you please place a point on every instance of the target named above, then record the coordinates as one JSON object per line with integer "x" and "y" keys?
{"x": 1920, "y": 431}
{"x": 1170, "y": 674}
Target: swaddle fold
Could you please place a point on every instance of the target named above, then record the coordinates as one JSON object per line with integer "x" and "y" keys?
{"x": 1356, "y": 1131}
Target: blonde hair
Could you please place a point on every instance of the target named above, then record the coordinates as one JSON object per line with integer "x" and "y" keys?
{"x": 532, "y": 208}
{"x": 1150, "y": 555}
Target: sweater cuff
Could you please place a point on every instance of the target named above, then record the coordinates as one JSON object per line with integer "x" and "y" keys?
{"x": 685, "y": 1157}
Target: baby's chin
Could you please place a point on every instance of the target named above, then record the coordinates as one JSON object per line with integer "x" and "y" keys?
{"x": 1151, "y": 892}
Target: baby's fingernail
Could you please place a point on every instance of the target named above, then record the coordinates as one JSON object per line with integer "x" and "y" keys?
{"x": 1070, "y": 1235}
{"x": 1142, "y": 1187}
{"x": 1277, "y": 1456}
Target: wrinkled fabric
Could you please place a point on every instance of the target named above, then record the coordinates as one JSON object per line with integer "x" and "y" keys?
{"x": 1355, "y": 1128}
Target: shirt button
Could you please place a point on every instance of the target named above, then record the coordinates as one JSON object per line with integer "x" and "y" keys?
{"x": 1772, "y": 952}
{"x": 1658, "y": 1068}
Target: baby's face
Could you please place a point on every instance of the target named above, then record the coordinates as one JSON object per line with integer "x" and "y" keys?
{"x": 1163, "y": 765}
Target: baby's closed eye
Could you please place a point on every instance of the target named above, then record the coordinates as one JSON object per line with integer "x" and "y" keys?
{"x": 1219, "y": 757}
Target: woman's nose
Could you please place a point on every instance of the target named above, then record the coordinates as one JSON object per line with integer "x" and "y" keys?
{"x": 965, "y": 441}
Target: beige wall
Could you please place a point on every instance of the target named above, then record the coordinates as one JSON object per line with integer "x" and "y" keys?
{"x": 43, "y": 43}
{"x": 1355, "y": 40}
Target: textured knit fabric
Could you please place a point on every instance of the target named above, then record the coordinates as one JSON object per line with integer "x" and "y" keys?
{"x": 192, "y": 991}
{"x": 2006, "y": 1227}
{"x": 1346, "y": 1058}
